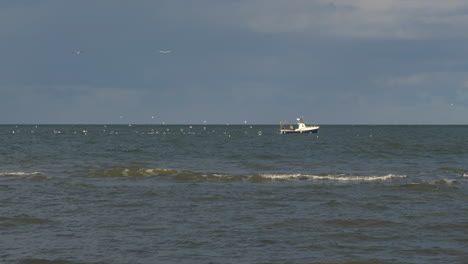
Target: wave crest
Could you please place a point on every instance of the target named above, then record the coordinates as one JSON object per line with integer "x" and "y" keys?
{"x": 131, "y": 172}
{"x": 330, "y": 177}
{"x": 20, "y": 173}
{"x": 144, "y": 172}
{"x": 257, "y": 178}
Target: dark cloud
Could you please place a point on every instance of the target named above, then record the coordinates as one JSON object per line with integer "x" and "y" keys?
{"x": 262, "y": 61}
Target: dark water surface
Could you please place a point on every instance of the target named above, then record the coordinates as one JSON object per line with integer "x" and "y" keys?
{"x": 233, "y": 194}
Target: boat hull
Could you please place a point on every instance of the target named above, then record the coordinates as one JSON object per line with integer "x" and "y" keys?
{"x": 296, "y": 131}
{"x": 301, "y": 128}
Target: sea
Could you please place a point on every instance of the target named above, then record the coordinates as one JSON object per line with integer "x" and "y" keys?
{"x": 189, "y": 194}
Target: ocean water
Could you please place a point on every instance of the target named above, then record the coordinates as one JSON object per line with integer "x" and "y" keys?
{"x": 233, "y": 194}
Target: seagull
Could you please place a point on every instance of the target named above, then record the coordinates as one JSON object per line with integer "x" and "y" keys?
{"x": 77, "y": 52}
{"x": 165, "y": 51}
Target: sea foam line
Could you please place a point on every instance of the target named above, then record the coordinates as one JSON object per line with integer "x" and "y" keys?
{"x": 192, "y": 175}
{"x": 342, "y": 178}
{"x": 20, "y": 173}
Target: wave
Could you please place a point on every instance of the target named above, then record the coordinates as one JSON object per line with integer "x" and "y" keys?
{"x": 130, "y": 172}
{"x": 58, "y": 261}
{"x": 258, "y": 178}
{"x": 175, "y": 174}
{"x": 360, "y": 223}
{"x": 331, "y": 177}
{"x": 35, "y": 173}
{"x": 22, "y": 219}
{"x": 448, "y": 227}
{"x": 33, "y": 176}
{"x": 143, "y": 172}
{"x": 458, "y": 171}
{"x": 430, "y": 186}
{"x": 445, "y": 182}
{"x": 373, "y": 261}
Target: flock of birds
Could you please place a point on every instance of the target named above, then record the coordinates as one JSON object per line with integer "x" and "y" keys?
{"x": 162, "y": 131}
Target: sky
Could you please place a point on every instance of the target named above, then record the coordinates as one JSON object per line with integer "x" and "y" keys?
{"x": 260, "y": 61}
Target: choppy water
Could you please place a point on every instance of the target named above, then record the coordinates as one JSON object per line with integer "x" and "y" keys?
{"x": 233, "y": 194}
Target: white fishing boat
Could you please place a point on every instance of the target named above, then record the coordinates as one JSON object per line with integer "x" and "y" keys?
{"x": 301, "y": 128}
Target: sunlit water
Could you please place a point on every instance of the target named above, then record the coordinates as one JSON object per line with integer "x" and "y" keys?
{"x": 233, "y": 194}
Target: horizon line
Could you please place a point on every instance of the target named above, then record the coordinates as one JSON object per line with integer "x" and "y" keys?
{"x": 225, "y": 124}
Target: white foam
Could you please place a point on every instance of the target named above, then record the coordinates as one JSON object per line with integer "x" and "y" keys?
{"x": 340, "y": 178}
{"x": 20, "y": 173}
{"x": 156, "y": 171}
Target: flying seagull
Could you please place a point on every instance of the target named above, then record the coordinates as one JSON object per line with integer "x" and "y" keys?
{"x": 77, "y": 52}
{"x": 165, "y": 51}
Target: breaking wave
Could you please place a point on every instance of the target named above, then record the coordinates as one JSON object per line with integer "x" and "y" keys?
{"x": 175, "y": 174}
{"x": 258, "y": 178}
{"x": 20, "y": 173}
{"x": 331, "y": 177}
{"x": 33, "y": 176}
{"x": 141, "y": 172}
